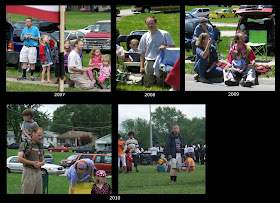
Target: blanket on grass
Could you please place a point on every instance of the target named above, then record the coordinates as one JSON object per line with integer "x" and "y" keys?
{"x": 259, "y": 68}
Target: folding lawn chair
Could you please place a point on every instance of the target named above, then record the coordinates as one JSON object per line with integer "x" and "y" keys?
{"x": 258, "y": 39}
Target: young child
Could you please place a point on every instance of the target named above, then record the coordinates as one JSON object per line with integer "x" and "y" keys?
{"x": 134, "y": 43}
{"x": 188, "y": 165}
{"x": 239, "y": 66}
{"x": 27, "y": 125}
{"x": 101, "y": 187}
{"x": 129, "y": 161}
{"x": 46, "y": 56}
{"x": 94, "y": 62}
{"x": 105, "y": 70}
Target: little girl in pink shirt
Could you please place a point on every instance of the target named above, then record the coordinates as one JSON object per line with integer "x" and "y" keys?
{"x": 94, "y": 62}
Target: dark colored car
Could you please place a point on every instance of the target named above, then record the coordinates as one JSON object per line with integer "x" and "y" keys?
{"x": 190, "y": 25}
{"x": 49, "y": 158}
{"x": 106, "y": 150}
{"x": 83, "y": 149}
{"x": 14, "y": 45}
{"x": 148, "y": 8}
{"x": 257, "y": 19}
{"x": 14, "y": 146}
{"x": 101, "y": 161}
{"x": 69, "y": 161}
{"x": 42, "y": 25}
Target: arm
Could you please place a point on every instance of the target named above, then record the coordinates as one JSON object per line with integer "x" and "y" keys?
{"x": 206, "y": 51}
{"x": 25, "y": 133}
{"x": 90, "y": 62}
{"x": 42, "y": 53}
{"x": 72, "y": 189}
{"x": 142, "y": 60}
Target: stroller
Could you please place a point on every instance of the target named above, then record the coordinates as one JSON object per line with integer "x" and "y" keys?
{"x": 130, "y": 73}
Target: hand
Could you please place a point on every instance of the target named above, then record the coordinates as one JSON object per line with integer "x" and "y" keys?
{"x": 142, "y": 70}
{"x": 161, "y": 48}
{"x": 169, "y": 157}
{"x": 208, "y": 70}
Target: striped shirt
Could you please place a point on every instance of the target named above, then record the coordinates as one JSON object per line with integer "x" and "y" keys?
{"x": 131, "y": 145}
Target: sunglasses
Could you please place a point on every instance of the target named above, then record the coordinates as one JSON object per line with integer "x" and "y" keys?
{"x": 202, "y": 21}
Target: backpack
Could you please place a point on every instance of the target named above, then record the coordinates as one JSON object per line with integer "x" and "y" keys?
{"x": 27, "y": 148}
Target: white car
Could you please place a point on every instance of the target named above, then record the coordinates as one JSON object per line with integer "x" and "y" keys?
{"x": 13, "y": 166}
{"x": 201, "y": 12}
{"x": 86, "y": 29}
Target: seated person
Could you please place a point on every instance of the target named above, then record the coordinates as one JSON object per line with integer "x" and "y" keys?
{"x": 188, "y": 165}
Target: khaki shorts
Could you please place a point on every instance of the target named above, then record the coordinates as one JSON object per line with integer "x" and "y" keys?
{"x": 28, "y": 55}
{"x": 81, "y": 81}
{"x": 176, "y": 162}
{"x": 31, "y": 181}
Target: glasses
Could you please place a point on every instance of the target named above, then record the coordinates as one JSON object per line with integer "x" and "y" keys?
{"x": 202, "y": 21}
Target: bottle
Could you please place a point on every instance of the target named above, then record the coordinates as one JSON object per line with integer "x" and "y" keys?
{"x": 222, "y": 56}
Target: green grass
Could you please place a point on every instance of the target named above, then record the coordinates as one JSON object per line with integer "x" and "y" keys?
{"x": 146, "y": 181}
{"x": 169, "y": 22}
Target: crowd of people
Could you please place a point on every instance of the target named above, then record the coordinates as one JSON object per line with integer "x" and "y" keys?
{"x": 171, "y": 158}
{"x": 80, "y": 77}
{"x": 240, "y": 64}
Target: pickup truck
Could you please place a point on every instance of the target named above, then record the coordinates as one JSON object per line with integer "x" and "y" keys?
{"x": 100, "y": 36}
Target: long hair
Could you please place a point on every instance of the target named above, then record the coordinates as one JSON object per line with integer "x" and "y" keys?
{"x": 199, "y": 40}
{"x": 41, "y": 39}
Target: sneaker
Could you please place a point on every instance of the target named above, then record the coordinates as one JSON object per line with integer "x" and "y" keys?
{"x": 32, "y": 78}
{"x": 248, "y": 84}
{"x": 21, "y": 78}
{"x": 195, "y": 77}
{"x": 202, "y": 79}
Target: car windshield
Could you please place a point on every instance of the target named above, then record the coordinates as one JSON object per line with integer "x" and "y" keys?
{"x": 219, "y": 10}
{"x": 86, "y": 156}
{"x": 194, "y": 10}
{"x": 56, "y": 35}
{"x": 74, "y": 156}
{"x": 101, "y": 27}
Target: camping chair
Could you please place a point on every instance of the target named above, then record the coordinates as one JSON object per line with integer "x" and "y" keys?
{"x": 258, "y": 39}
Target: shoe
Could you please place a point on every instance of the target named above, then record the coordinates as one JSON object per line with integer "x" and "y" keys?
{"x": 248, "y": 84}
{"x": 32, "y": 78}
{"x": 71, "y": 84}
{"x": 195, "y": 77}
{"x": 202, "y": 79}
{"x": 21, "y": 78}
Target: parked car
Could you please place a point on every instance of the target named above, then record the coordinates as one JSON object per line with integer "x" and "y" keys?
{"x": 223, "y": 13}
{"x": 14, "y": 146}
{"x": 14, "y": 45}
{"x": 58, "y": 149}
{"x": 148, "y": 8}
{"x": 106, "y": 150}
{"x": 13, "y": 166}
{"x": 257, "y": 19}
{"x": 190, "y": 25}
{"x": 69, "y": 161}
{"x": 84, "y": 10}
{"x": 47, "y": 145}
{"x": 42, "y": 25}
{"x": 101, "y": 161}
{"x": 86, "y": 29}
{"x": 83, "y": 149}
{"x": 49, "y": 158}
{"x": 71, "y": 35}
{"x": 190, "y": 15}
{"x": 201, "y": 12}
{"x": 99, "y": 36}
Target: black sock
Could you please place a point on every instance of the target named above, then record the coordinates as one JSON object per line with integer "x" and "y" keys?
{"x": 23, "y": 72}
{"x": 32, "y": 71}
{"x": 175, "y": 178}
{"x": 172, "y": 178}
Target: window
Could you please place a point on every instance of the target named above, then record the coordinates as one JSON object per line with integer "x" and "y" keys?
{"x": 98, "y": 159}
{"x": 14, "y": 160}
{"x": 107, "y": 159}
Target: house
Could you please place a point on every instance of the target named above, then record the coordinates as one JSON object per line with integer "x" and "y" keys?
{"x": 72, "y": 138}
{"x": 103, "y": 142}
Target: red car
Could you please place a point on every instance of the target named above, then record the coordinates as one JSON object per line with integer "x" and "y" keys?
{"x": 58, "y": 149}
{"x": 84, "y": 10}
{"x": 101, "y": 161}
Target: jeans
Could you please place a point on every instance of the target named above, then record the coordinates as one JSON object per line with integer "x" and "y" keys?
{"x": 201, "y": 66}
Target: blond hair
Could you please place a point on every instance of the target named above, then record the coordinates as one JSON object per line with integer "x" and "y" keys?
{"x": 134, "y": 41}
{"x": 41, "y": 39}
{"x": 105, "y": 58}
{"x": 92, "y": 52}
{"x": 235, "y": 53}
{"x": 201, "y": 37}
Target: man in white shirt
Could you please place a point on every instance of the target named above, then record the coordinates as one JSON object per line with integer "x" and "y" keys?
{"x": 76, "y": 70}
{"x": 154, "y": 151}
{"x": 151, "y": 44}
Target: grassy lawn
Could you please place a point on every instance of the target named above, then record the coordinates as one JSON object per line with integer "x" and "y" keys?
{"x": 146, "y": 181}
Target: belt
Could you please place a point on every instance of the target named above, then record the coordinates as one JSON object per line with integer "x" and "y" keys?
{"x": 29, "y": 46}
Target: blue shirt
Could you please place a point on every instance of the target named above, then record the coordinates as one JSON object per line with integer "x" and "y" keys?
{"x": 33, "y": 32}
{"x": 198, "y": 30}
{"x": 74, "y": 176}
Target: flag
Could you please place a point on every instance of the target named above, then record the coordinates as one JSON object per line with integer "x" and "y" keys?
{"x": 49, "y": 13}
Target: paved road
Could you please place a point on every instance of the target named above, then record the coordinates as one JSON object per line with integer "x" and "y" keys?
{"x": 265, "y": 84}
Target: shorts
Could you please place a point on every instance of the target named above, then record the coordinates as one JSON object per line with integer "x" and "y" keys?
{"x": 48, "y": 64}
{"x": 154, "y": 158}
{"x": 176, "y": 162}
{"x": 28, "y": 55}
{"x": 121, "y": 157}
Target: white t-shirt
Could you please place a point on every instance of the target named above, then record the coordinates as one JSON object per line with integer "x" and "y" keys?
{"x": 74, "y": 60}
{"x": 153, "y": 151}
{"x": 150, "y": 43}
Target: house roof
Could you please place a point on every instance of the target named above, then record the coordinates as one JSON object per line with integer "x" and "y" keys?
{"x": 76, "y": 134}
